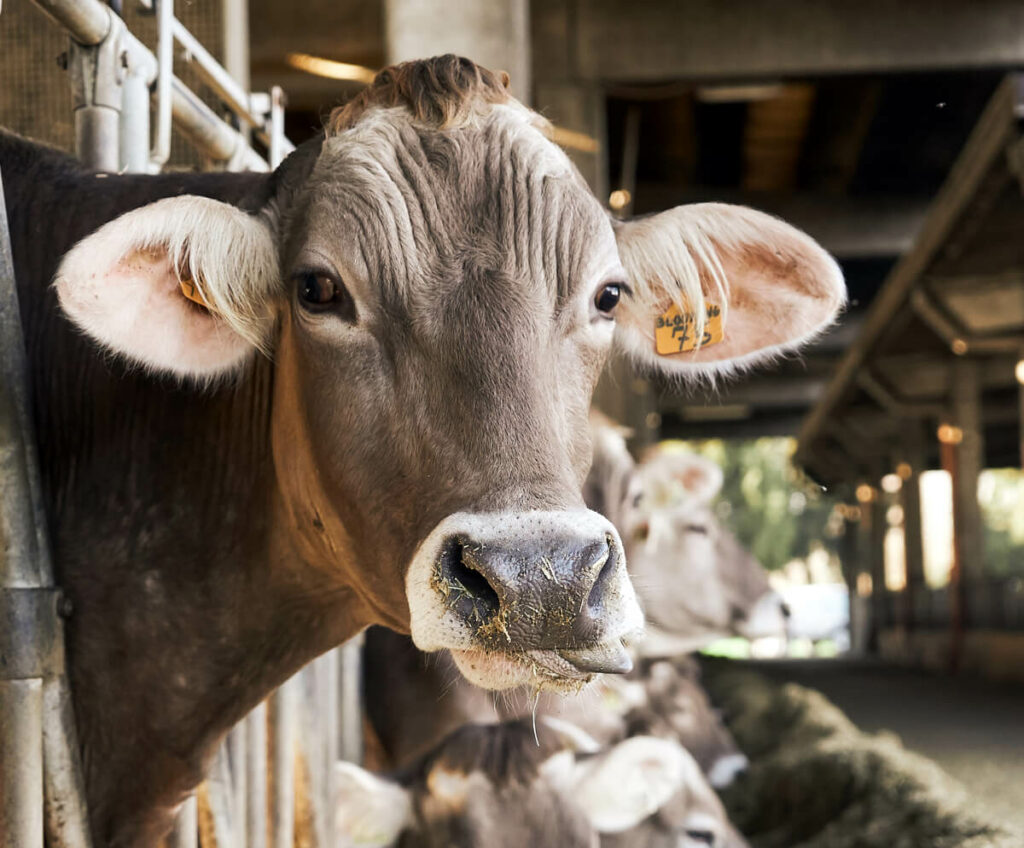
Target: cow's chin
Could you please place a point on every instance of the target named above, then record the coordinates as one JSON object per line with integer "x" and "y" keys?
{"x": 541, "y": 670}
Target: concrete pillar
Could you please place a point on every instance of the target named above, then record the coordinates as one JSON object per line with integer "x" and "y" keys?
{"x": 493, "y": 33}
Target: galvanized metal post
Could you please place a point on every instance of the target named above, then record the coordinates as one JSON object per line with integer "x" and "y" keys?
{"x": 283, "y": 719}
{"x": 239, "y": 758}
{"x": 97, "y": 72}
{"x": 235, "y": 31}
{"x": 31, "y": 636}
{"x": 256, "y": 780}
{"x": 21, "y": 762}
{"x": 135, "y": 121}
{"x": 350, "y": 657}
{"x": 186, "y": 826}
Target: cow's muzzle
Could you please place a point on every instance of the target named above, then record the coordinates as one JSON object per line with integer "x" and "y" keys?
{"x": 547, "y": 590}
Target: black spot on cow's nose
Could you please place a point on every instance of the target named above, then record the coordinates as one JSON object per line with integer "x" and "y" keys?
{"x": 467, "y": 590}
{"x": 786, "y": 611}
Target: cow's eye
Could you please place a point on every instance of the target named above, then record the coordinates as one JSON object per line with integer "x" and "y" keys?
{"x": 321, "y": 292}
{"x": 696, "y": 528}
{"x": 608, "y": 298}
{"x": 317, "y": 289}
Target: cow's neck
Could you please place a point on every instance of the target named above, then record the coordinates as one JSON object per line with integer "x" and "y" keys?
{"x": 188, "y": 604}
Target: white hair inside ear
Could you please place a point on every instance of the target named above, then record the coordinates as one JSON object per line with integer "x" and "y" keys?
{"x": 125, "y": 285}
{"x": 369, "y": 811}
{"x": 674, "y": 478}
{"x": 632, "y": 781}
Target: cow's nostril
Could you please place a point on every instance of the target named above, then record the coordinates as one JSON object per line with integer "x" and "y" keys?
{"x": 604, "y": 577}
{"x": 466, "y": 590}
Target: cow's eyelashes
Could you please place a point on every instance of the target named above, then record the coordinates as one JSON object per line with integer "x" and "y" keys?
{"x": 319, "y": 291}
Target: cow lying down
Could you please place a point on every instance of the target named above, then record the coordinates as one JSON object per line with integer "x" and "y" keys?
{"x": 496, "y": 785}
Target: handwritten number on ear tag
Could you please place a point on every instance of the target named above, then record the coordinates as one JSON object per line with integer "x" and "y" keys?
{"x": 675, "y": 330}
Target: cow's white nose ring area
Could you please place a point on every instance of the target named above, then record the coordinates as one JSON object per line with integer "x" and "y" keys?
{"x": 539, "y": 596}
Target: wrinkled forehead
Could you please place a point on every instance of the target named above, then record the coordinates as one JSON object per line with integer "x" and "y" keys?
{"x": 421, "y": 203}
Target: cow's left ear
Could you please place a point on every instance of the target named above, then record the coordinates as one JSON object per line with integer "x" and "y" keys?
{"x": 719, "y": 287}
{"x": 671, "y": 477}
{"x": 369, "y": 811}
{"x": 632, "y": 781}
{"x": 184, "y": 285}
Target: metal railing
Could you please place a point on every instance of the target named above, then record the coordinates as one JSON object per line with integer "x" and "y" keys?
{"x": 112, "y": 72}
{"x": 282, "y": 754}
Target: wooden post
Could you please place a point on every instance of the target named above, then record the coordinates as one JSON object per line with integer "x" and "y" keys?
{"x": 909, "y": 468}
{"x": 969, "y": 459}
{"x": 876, "y": 564}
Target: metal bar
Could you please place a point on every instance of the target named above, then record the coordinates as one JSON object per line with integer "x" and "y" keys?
{"x": 66, "y": 819}
{"x": 194, "y": 119}
{"x": 211, "y": 72}
{"x": 238, "y": 756}
{"x": 87, "y": 22}
{"x": 135, "y": 123}
{"x": 278, "y": 143}
{"x": 26, "y": 565}
{"x": 219, "y": 795}
{"x": 164, "y": 81}
{"x": 21, "y": 699}
{"x": 235, "y": 30}
{"x": 209, "y": 133}
{"x": 186, "y": 826}
{"x": 256, "y": 780}
{"x": 351, "y": 699}
{"x": 21, "y": 763}
{"x": 283, "y": 721}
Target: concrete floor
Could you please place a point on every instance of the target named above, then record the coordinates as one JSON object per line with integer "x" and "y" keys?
{"x": 972, "y": 728}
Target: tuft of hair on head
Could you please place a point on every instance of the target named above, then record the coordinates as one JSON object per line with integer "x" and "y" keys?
{"x": 440, "y": 92}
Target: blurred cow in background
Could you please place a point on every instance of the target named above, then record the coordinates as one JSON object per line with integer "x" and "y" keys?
{"x": 694, "y": 579}
{"x": 513, "y": 784}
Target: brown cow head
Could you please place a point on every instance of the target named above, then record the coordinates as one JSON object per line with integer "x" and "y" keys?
{"x": 440, "y": 291}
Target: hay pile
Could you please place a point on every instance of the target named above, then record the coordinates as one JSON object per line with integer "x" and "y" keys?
{"x": 816, "y": 781}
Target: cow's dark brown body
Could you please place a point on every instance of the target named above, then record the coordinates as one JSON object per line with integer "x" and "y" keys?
{"x": 157, "y": 496}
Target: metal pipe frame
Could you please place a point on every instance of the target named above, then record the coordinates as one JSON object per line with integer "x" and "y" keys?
{"x": 89, "y": 23}
{"x": 41, "y": 784}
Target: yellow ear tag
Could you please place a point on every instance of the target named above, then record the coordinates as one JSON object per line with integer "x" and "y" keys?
{"x": 191, "y": 291}
{"x": 674, "y": 330}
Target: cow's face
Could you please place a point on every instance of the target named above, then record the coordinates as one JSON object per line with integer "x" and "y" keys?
{"x": 492, "y": 786}
{"x": 697, "y": 581}
{"x": 440, "y": 292}
{"x": 452, "y": 301}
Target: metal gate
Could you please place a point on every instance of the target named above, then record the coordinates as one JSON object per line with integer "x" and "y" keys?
{"x": 284, "y": 751}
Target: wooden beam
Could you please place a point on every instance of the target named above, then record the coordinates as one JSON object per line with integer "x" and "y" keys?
{"x": 747, "y": 39}
{"x": 985, "y": 147}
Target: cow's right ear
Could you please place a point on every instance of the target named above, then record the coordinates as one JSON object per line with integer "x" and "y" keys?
{"x": 369, "y": 811}
{"x": 184, "y": 285}
{"x": 671, "y": 477}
